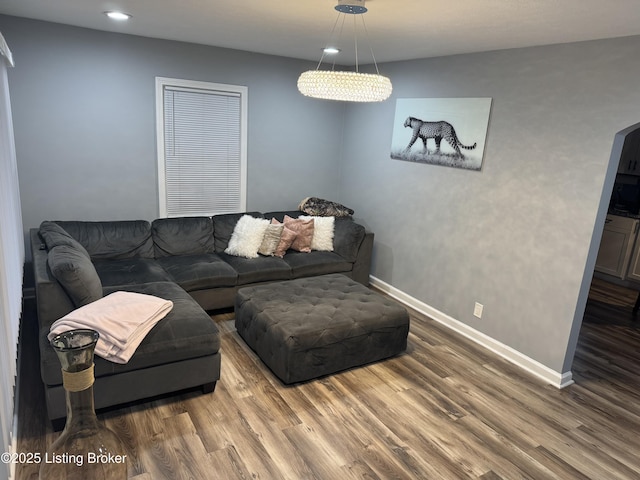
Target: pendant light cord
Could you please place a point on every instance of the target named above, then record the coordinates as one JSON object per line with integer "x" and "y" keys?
{"x": 331, "y": 36}
{"x": 366, "y": 35}
{"x": 355, "y": 39}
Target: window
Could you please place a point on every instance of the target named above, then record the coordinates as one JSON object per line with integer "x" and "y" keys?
{"x": 11, "y": 260}
{"x": 202, "y": 153}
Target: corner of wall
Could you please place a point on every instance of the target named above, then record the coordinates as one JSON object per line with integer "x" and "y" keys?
{"x": 557, "y": 379}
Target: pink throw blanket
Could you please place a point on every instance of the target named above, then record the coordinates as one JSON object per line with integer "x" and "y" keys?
{"x": 122, "y": 319}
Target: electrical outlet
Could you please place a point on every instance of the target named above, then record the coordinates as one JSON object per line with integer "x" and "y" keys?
{"x": 477, "y": 310}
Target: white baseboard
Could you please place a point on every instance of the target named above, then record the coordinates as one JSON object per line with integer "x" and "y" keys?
{"x": 559, "y": 380}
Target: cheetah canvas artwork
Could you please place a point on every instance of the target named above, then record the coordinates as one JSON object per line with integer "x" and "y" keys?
{"x": 441, "y": 131}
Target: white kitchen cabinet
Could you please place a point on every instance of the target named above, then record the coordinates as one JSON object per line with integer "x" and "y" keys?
{"x": 616, "y": 246}
{"x": 634, "y": 265}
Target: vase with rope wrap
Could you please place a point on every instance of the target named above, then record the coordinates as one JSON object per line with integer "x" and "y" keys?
{"x": 86, "y": 448}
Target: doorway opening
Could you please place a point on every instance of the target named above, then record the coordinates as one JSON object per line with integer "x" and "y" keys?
{"x": 615, "y": 285}
{"x": 618, "y": 294}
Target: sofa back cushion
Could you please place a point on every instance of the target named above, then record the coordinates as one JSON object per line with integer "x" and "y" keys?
{"x": 182, "y": 236}
{"x": 280, "y": 214}
{"x": 347, "y": 237}
{"x": 223, "y": 226}
{"x": 54, "y": 235}
{"x": 75, "y": 272}
{"x": 113, "y": 240}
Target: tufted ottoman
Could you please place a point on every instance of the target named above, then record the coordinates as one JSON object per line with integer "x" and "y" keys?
{"x": 309, "y": 327}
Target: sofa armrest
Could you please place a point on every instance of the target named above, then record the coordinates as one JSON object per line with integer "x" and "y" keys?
{"x": 51, "y": 299}
{"x": 362, "y": 266}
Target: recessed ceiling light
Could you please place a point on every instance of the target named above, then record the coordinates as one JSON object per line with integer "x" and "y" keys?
{"x": 117, "y": 15}
{"x": 331, "y": 50}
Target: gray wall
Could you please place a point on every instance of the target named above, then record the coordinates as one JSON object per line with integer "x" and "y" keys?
{"x": 520, "y": 236}
{"x": 517, "y": 235}
{"x": 84, "y": 118}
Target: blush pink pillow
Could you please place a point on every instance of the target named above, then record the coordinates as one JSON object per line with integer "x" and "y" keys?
{"x": 286, "y": 239}
{"x": 304, "y": 233}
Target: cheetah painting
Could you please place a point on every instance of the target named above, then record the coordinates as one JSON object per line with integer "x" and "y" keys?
{"x": 461, "y": 122}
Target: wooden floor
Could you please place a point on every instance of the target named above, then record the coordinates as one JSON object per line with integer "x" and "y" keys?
{"x": 446, "y": 409}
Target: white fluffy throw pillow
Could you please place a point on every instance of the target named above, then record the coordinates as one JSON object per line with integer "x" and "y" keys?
{"x": 323, "y": 228}
{"x": 247, "y": 237}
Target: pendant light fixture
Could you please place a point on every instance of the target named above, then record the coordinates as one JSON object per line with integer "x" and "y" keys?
{"x": 346, "y": 86}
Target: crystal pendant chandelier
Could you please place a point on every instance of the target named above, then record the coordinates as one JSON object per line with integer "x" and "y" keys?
{"x": 346, "y": 86}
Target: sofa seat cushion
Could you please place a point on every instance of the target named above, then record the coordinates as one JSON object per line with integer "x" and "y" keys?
{"x": 261, "y": 269}
{"x": 131, "y": 271}
{"x": 316, "y": 263}
{"x": 182, "y": 236}
{"x": 186, "y": 332}
{"x": 197, "y": 272}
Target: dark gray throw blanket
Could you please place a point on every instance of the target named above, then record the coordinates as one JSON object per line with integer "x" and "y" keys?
{"x": 323, "y": 208}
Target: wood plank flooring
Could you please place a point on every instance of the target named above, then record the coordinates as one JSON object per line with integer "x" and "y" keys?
{"x": 446, "y": 409}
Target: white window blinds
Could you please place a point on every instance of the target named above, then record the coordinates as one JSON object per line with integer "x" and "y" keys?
{"x": 11, "y": 260}
{"x": 202, "y": 148}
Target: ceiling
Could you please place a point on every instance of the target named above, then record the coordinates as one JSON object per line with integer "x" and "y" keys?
{"x": 397, "y": 29}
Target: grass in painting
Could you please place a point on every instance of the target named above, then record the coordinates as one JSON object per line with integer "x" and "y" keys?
{"x": 444, "y": 159}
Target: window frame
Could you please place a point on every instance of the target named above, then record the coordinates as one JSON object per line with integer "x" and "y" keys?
{"x": 193, "y": 85}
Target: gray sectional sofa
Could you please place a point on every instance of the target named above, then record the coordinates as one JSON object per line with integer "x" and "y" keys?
{"x": 179, "y": 259}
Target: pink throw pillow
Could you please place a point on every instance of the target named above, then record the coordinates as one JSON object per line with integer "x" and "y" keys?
{"x": 304, "y": 233}
{"x": 286, "y": 239}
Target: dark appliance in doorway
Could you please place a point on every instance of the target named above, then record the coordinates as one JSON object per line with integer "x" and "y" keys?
{"x": 625, "y": 198}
